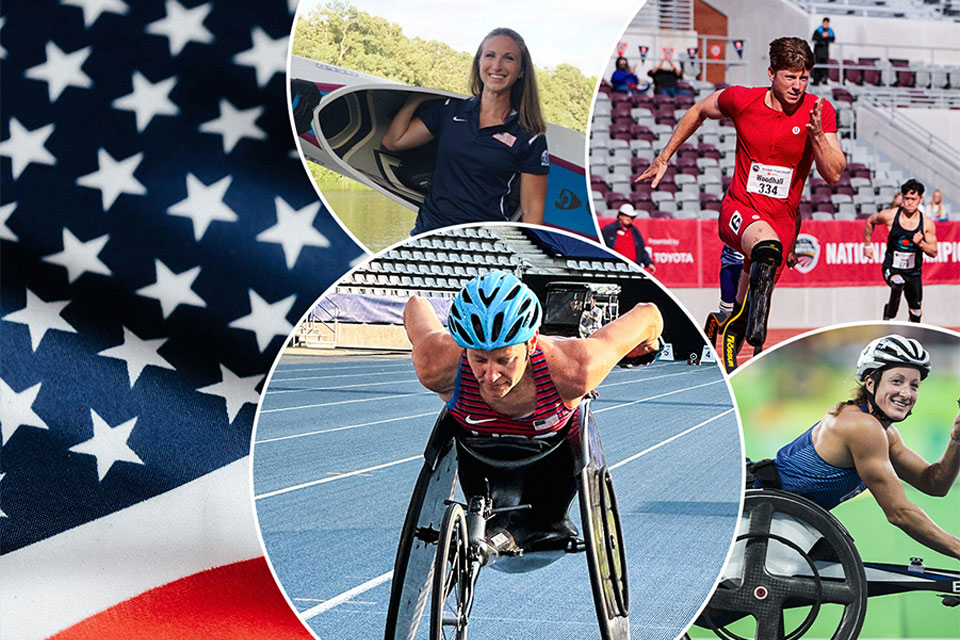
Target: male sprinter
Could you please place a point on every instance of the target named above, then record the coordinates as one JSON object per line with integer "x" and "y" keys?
{"x": 781, "y": 132}
{"x": 911, "y": 234}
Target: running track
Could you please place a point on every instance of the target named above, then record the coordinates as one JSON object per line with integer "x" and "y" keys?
{"x": 338, "y": 447}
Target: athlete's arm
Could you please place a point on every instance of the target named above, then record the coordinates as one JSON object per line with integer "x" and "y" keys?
{"x": 933, "y": 479}
{"x": 581, "y": 365}
{"x": 871, "y": 456}
{"x": 881, "y": 217}
{"x": 826, "y": 147}
{"x": 435, "y": 354}
{"x": 533, "y": 194}
{"x": 406, "y": 131}
{"x": 926, "y": 238}
{"x": 688, "y": 125}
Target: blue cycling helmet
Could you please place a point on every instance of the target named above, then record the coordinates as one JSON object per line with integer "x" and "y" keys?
{"x": 494, "y": 310}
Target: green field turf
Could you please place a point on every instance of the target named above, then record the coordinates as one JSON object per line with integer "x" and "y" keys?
{"x": 785, "y": 392}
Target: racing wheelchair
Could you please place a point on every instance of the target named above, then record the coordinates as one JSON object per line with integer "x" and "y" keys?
{"x": 791, "y": 553}
{"x": 507, "y": 523}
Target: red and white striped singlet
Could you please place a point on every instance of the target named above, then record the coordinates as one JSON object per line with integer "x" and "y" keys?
{"x": 473, "y": 413}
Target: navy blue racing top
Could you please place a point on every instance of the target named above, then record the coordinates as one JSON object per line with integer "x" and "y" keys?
{"x": 804, "y": 472}
{"x": 476, "y": 170}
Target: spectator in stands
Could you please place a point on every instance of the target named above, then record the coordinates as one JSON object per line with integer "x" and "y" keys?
{"x": 897, "y": 201}
{"x": 591, "y": 319}
{"x": 938, "y": 211}
{"x": 625, "y": 239}
{"x": 665, "y": 80}
{"x": 473, "y": 179}
{"x": 759, "y": 215}
{"x": 624, "y": 78}
{"x": 911, "y": 235}
{"x": 822, "y": 38}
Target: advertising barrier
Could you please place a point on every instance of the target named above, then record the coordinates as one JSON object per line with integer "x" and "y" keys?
{"x": 831, "y": 253}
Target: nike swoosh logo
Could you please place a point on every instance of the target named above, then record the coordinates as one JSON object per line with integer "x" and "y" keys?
{"x": 471, "y": 420}
{"x": 456, "y": 119}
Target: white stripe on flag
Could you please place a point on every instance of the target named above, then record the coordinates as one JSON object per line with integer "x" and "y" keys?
{"x": 53, "y": 584}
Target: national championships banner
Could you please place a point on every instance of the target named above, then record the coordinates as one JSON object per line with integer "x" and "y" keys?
{"x": 687, "y": 253}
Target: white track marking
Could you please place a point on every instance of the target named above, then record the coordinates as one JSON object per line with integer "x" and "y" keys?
{"x": 350, "y": 426}
{"x": 339, "y": 476}
{"x": 345, "y": 386}
{"x": 345, "y": 596}
{"x": 345, "y": 375}
{"x": 670, "y": 439}
{"x": 330, "y": 404}
{"x": 659, "y": 395}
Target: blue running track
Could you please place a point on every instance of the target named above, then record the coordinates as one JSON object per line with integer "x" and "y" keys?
{"x": 338, "y": 446}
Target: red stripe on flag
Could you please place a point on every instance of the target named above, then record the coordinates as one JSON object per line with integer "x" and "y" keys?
{"x": 232, "y": 602}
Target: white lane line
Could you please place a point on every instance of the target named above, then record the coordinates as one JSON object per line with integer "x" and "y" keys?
{"x": 330, "y": 404}
{"x": 331, "y": 368}
{"x": 339, "y": 476}
{"x": 344, "y": 386}
{"x": 670, "y": 439}
{"x": 343, "y": 375}
{"x": 343, "y": 597}
{"x": 349, "y": 426}
{"x": 646, "y": 379}
{"x": 659, "y": 395}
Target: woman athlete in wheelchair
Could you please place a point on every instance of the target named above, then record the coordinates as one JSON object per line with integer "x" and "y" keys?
{"x": 518, "y": 433}
{"x": 854, "y": 447}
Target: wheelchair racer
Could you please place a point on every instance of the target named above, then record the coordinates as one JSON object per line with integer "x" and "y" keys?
{"x": 856, "y": 446}
{"x": 500, "y": 377}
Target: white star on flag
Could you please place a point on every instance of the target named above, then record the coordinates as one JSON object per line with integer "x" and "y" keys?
{"x": 40, "y": 316}
{"x": 17, "y": 410}
{"x": 26, "y": 146}
{"x": 80, "y": 257}
{"x": 5, "y": 212}
{"x": 266, "y": 320}
{"x": 294, "y": 230}
{"x": 108, "y": 444}
{"x": 61, "y": 70}
{"x": 204, "y": 204}
{"x": 235, "y": 390}
{"x": 182, "y": 25}
{"x": 267, "y": 56}
{"x": 148, "y": 99}
{"x": 234, "y": 124}
{"x": 93, "y": 8}
{"x": 138, "y": 354}
{"x": 113, "y": 178}
{"x": 173, "y": 289}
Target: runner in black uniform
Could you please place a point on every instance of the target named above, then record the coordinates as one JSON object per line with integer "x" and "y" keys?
{"x": 911, "y": 235}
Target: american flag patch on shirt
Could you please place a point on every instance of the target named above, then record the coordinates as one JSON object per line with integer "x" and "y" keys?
{"x": 506, "y": 138}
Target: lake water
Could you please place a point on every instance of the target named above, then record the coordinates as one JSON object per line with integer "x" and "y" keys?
{"x": 375, "y": 220}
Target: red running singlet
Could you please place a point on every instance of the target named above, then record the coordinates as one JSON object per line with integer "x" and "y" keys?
{"x": 473, "y": 413}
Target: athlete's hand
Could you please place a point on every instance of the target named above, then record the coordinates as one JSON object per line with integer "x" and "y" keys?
{"x": 955, "y": 434}
{"x": 868, "y": 251}
{"x": 655, "y": 171}
{"x": 792, "y": 259}
{"x": 918, "y": 238}
{"x": 815, "y": 126}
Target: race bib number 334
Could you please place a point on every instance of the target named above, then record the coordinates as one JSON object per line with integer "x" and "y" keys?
{"x": 769, "y": 180}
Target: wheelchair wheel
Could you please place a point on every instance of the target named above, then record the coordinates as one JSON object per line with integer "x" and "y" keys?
{"x": 452, "y": 584}
{"x": 813, "y": 562}
{"x": 606, "y": 556}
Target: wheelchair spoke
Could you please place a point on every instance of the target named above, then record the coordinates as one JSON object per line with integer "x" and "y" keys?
{"x": 770, "y": 623}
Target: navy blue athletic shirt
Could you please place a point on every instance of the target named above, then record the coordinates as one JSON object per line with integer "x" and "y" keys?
{"x": 804, "y": 472}
{"x": 476, "y": 169}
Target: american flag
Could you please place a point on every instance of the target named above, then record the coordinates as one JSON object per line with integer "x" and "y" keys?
{"x": 159, "y": 240}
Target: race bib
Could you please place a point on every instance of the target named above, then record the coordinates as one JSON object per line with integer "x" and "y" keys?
{"x": 904, "y": 260}
{"x": 769, "y": 180}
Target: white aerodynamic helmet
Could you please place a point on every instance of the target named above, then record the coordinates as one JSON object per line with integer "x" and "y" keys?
{"x": 893, "y": 351}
